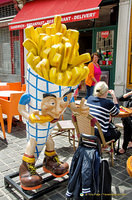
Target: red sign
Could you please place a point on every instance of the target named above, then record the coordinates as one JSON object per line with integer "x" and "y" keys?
{"x": 65, "y": 19}
{"x": 104, "y": 34}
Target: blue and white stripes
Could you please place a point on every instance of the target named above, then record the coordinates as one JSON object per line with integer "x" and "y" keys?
{"x": 101, "y": 109}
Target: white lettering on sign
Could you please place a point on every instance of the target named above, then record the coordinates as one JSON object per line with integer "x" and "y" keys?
{"x": 66, "y": 19}
{"x": 84, "y": 16}
{"x": 36, "y": 23}
{"x": 50, "y": 21}
{"x": 17, "y": 27}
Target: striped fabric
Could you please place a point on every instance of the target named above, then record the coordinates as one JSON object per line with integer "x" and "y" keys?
{"x": 101, "y": 109}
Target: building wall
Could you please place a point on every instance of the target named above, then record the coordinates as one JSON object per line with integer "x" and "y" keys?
{"x": 122, "y": 46}
{"x": 121, "y": 55}
{"x": 9, "y": 45}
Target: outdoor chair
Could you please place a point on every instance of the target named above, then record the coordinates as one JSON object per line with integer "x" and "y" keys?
{"x": 10, "y": 108}
{"x": 4, "y": 87}
{"x": 65, "y": 128}
{"x": 24, "y": 87}
{"x": 2, "y": 123}
{"x": 15, "y": 86}
{"x": 85, "y": 124}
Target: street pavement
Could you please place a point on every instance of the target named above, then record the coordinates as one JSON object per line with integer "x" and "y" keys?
{"x": 11, "y": 152}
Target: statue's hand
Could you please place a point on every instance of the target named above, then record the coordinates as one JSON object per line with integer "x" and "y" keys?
{"x": 36, "y": 118}
{"x": 83, "y": 108}
{"x": 36, "y": 112}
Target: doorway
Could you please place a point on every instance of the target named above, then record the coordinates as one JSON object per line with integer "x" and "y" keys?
{"x": 85, "y": 42}
{"x": 85, "y": 46}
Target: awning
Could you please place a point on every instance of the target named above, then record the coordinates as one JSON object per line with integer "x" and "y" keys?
{"x": 38, "y": 12}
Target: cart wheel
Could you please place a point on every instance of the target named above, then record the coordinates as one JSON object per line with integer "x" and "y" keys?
{"x": 6, "y": 184}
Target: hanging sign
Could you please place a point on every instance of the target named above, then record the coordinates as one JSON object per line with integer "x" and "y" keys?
{"x": 104, "y": 34}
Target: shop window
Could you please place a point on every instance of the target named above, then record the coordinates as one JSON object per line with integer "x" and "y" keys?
{"x": 15, "y": 52}
{"x": 9, "y": 51}
{"x": 105, "y": 46}
{"x": 7, "y": 10}
{"x": 5, "y": 51}
{"x": 109, "y": 13}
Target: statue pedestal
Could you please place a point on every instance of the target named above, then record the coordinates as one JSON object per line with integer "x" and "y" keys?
{"x": 12, "y": 180}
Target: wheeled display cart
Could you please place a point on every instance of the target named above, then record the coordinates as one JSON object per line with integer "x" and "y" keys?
{"x": 49, "y": 183}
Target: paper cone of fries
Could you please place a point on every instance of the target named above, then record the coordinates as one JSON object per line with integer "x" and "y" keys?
{"x": 36, "y": 86}
{"x": 55, "y": 67}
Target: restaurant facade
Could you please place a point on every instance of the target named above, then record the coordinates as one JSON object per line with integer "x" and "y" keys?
{"x": 104, "y": 26}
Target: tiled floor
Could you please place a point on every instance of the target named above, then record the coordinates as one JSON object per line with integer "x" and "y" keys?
{"x": 11, "y": 154}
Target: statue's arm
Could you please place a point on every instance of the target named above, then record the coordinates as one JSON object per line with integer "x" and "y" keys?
{"x": 25, "y": 99}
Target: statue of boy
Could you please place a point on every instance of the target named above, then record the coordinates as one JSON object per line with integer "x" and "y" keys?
{"x": 52, "y": 107}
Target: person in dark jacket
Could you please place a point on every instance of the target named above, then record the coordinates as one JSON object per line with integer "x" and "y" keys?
{"x": 127, "y": 123}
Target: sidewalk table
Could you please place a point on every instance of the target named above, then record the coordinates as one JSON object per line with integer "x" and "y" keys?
{"x": 3, "y": 83}
{"x": 7, "y": 93}
{"x": 122, "y": 114}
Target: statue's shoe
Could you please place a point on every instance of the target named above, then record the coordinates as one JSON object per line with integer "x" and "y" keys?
{"x": 51, "y": 164}
{"x": 29, "y": 178}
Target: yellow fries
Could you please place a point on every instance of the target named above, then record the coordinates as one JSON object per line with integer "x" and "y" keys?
{"x": 53, "y": 53}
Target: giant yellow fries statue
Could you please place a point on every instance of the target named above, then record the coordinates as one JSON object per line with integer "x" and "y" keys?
{"x": 54, "y": 71}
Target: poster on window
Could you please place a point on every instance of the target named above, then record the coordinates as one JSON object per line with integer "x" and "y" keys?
{"x": 104, "y": 34}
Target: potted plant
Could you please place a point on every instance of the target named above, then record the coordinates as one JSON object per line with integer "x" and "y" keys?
{"x": 103, "y": 58}
{"x": 109, "y": 58}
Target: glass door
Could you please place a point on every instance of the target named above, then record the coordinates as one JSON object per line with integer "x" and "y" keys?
{"x": 104, "y": 42}
{"x": 105, "y": 46}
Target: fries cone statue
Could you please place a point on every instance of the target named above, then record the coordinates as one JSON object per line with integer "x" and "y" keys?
{"x": 55, "y": 68}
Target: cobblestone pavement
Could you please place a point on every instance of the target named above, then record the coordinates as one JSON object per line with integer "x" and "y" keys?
{"x": 11, "y": 155}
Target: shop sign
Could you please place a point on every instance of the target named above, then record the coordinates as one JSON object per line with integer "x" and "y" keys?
{"x": 65, "y": 19}
{"x": 104, "y": 34}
